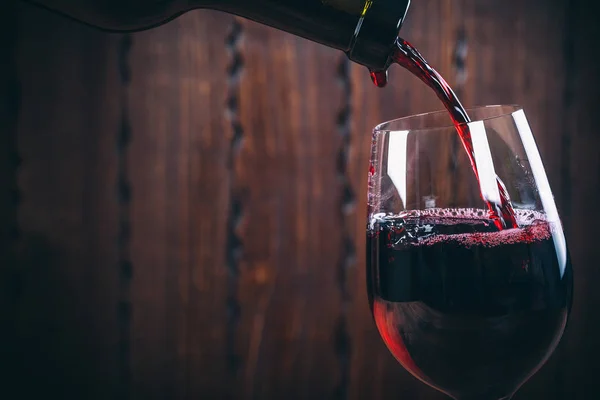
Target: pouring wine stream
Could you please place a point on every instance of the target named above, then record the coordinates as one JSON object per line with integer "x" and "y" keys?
{"x": 408, "y": 57}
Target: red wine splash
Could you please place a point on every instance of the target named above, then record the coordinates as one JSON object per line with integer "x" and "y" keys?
{"x": 408, "y": 57}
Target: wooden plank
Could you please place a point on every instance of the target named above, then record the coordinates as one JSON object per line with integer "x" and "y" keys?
{"x": 182, "y": 214}
{"x": 520, "y": 66}
{"x": 9, "y": 193}
{"x": 9, "y": 109}
{"x": 178, "y": 170}
{"x": 287, "y": 179}
{"x": 582, "y": 168}
{"x": 67, "y": 128}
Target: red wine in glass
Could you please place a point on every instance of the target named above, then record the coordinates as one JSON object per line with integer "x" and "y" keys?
{"x": 469, "y": 309}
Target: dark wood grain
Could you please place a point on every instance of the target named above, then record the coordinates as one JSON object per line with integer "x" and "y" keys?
{"x": 9, "y": 192}
{"x": 187, "y": 204}
{"x": 291, "y": 230}
{"x": 580, "y": 188}
{"x": 9, "y": 111}
{"x": 178, "y": 170}
{"x": 67, "y": 307}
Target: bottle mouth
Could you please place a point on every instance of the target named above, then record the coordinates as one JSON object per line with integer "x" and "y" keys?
{"x": 376, "y": 32}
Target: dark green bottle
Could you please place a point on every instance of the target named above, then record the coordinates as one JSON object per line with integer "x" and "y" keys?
{"x": 364, "y": 29}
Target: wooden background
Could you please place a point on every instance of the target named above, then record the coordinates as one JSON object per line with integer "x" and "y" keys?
{"x": 182, "y": 210}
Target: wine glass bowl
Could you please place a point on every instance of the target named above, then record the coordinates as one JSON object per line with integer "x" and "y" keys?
{"x": 467, "y": 307}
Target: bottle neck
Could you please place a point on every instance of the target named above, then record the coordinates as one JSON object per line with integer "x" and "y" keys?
{"x": 377, "y": 33}
{"x": 364, "y": 29}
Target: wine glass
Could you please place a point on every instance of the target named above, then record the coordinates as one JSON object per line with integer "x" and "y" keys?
{"x": 468, "y": 308}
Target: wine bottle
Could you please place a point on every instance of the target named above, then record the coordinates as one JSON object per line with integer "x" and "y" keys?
{"x": 364, "y": 29}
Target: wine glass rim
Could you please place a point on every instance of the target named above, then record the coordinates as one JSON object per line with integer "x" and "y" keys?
{"x": 385, "y": 127}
